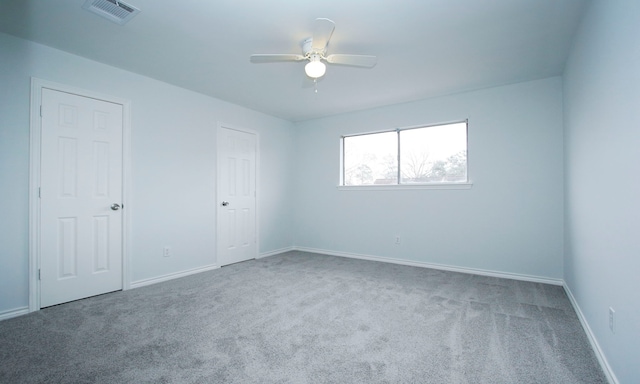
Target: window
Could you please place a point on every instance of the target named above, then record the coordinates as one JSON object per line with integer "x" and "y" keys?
{"x": 429, "y": 155}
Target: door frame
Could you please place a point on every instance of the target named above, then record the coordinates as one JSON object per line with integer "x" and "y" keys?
{"x": 219, "y": 127}
{"x": 35, "y": 145}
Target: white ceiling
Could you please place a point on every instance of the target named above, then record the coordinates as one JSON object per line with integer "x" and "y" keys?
{"x": 425, "y": 48}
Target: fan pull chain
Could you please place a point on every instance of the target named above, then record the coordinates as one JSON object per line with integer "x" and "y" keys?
{"x": 315, "y": 85}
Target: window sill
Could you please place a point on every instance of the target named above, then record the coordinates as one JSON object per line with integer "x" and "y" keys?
{"x": 396, "y": 187}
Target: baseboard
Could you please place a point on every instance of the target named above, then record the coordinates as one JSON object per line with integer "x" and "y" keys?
{"x": 171, "y": 276}
{"x": 276, "y": 252}
{"x": 4, "y": 315}
{"x": 592, "y": 338}
{"x": 473, "y": 271}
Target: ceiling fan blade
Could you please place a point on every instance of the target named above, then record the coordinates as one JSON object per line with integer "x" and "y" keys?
{"x": 322, "y": 31}
{"x": 274, "y": 58}
{"x": 355, "y": 60}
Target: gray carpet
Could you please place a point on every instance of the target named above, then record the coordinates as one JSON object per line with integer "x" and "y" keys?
{"x": 305, "y": 318}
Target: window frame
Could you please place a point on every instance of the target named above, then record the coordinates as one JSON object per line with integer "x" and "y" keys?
{"x": 467, "y": 184}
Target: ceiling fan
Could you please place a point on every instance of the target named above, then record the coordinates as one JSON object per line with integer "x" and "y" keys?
{"x": 314, "y": 49}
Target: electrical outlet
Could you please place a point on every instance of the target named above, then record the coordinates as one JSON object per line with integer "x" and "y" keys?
{"x": 397, "y": 239}
{"x": 612, "y": 320}
{"x": 166, "y": 252}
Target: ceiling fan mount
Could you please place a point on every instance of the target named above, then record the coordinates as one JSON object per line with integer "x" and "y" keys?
{"x": 314, "y": 50}
{"x": 307, "y": 47}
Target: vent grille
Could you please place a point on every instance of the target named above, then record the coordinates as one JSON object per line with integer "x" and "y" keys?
{"x": 112, "y": 10}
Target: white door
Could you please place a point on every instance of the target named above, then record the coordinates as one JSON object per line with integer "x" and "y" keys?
{"x": 80, "y": 197}
{"x": 236, "y": 196}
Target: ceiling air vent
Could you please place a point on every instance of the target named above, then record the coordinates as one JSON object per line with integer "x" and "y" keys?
{"x": 113, "y": 10}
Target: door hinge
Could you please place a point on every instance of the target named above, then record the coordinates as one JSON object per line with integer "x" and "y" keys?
{"x": 41, "y": 111}
{"x": 39, "y": 192}
{"x": 39, "y": 277}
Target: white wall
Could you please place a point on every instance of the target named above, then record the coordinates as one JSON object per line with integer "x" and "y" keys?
{"x": 173, "y": 165}
{"x": 602, "y": 157}
{"x": 510, "y": 221}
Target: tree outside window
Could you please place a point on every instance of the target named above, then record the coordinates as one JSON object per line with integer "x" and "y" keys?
{"x": 425, "y": 155}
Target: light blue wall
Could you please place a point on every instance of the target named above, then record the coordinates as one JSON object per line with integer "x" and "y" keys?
{"x": 173, "y": 165}
{"x": 510, "y": 221}
{"x": 602, "y": 157}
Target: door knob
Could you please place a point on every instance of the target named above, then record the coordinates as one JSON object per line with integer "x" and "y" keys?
{"x": 115, "y": 206}
{"x": 225, "y": 203}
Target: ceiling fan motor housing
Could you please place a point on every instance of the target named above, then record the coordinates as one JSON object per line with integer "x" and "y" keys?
{"x": 307, "y": 47}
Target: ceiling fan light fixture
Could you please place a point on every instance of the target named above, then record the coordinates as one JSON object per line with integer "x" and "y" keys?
{"x": 315, "y": 68}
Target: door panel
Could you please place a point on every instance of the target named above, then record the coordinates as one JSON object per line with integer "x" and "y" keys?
{"x": 81, "y": 176}
{"x": 236, "y": 187}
